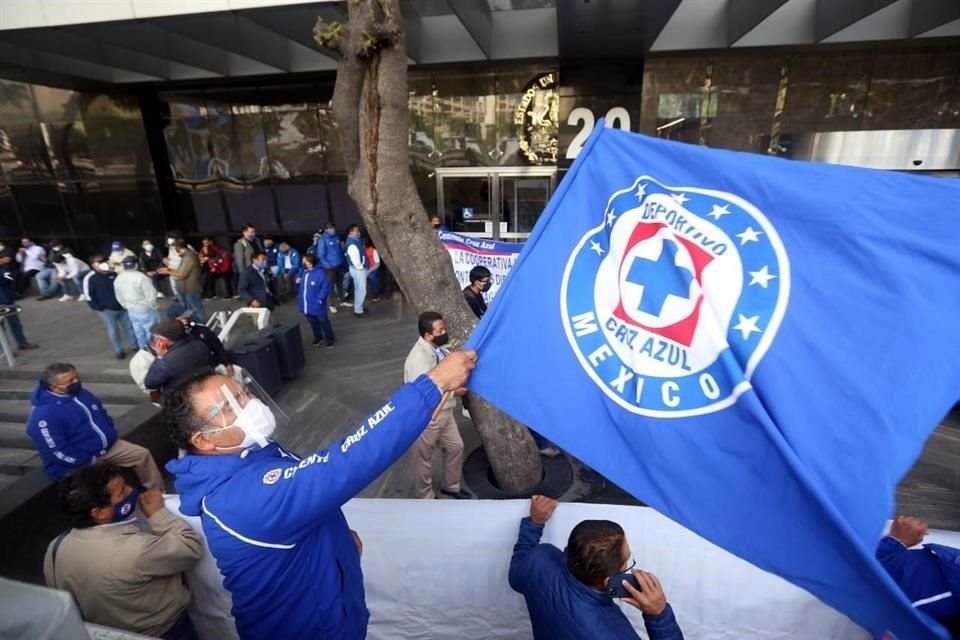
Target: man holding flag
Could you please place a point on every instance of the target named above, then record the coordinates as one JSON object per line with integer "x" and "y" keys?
{"x": 756, "y": 344}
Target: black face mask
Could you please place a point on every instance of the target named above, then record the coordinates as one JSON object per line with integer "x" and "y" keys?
{"x": 486, "y": 287}
{"x": 439, "y": 341}
{"x": 436, "y": 225}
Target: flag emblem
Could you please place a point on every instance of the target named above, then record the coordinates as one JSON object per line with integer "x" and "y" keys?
{"x": 673, "y": 299}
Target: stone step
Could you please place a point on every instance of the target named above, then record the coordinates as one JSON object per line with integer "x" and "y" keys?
{"x": 109, "y": 392}
{"x": 13, "y": 435}
{"x": 6, "y": 480}
{"x": 16, "y": 462}
{"x": 17, "y": 411}
{"x": 115, "y": 374}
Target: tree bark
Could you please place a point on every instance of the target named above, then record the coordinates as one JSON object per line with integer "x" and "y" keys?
{"x": 370, "y": 105}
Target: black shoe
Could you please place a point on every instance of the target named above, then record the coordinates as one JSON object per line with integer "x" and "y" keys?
{"x": 121, "y": 355}
{"x": 316, "y": 343}
{"x": 361, "y": 315}
{"x": 457, "y": 495}
{"x": 27, "y": 346}
{"x": 329, "y": 345}
{"x": 42, "y": 298}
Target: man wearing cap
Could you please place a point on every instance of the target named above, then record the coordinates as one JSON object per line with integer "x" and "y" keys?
{"x": 99, "y": 293}
{"x": 179, "y": 357}
{"x": 204, "y": 334}
{"x": 135, "y": 293}
{"x": 117, "y": 255}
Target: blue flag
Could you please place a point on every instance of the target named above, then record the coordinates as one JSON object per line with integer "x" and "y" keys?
{"x": 757, "y": 348}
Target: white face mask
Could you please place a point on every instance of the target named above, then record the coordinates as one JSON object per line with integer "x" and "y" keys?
{"x": 148, "y": 248}
{"x": 257, "y": 422}
{"x": 170, "y": 241}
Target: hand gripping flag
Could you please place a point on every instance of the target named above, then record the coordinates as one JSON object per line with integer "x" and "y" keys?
{"x": 755, "y": 347}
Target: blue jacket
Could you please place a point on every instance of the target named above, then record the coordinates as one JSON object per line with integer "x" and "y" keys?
{"x": 98, "y": 287}
{"x": 329, "y": 253}
{"x": 294, "y": 262}
{"x": 273, "y": 522}
{"x": 929, "y": 576}
{"x": 68, "y": 431}
{"x": 563, "y": 608}
{"x": 313, "y": 292}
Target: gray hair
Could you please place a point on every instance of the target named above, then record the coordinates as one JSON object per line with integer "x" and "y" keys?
{"x": 54, "y": 371}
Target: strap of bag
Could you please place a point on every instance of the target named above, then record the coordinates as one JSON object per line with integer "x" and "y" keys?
{"x": 53, "y": 555}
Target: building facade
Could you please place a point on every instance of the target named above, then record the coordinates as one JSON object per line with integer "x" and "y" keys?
{"x": 89, "y": 161}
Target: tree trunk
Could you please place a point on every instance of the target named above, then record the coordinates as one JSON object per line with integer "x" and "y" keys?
{"x": 370, "y": 104}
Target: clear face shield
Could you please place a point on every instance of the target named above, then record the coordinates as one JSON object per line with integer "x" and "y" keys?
{"x": 243, "y": 404}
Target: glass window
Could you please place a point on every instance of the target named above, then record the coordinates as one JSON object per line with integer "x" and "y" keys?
{"x": 58, "y": 105}
{"x": 250, "y": 204}
{"x": 294, "y": 141}
{"x": 913, "y": 90}
{"x": 115, "y": 208}
{"x": 16, "y": 103}
{"x": 41, "y": 210}
{"x": 742, "y": 102}
{"x": 303, "y": 204}
{"x": 68, "y": 146}
{"x": 102, "y": 106}
{"x": 343, "y": 210}
{"x": 674, "y": 98}
{"x": 118, "y": 148}
{"x": 188, "y": 137}
{"x": 9, "y": 223}
{"x": 826, "y": 92}
{"x": 23, "y": 154}
{"x": 465, "y": 119}
{"x": 206, "y": 202}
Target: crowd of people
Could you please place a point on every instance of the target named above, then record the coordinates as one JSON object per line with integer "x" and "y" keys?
{"x": 271, "y": 519}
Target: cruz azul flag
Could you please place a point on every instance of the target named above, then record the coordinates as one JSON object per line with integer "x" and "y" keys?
{"x": 756, "y": 347}
{"x": 467, "y": 252}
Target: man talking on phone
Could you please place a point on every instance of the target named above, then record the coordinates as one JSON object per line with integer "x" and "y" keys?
{"x": 572, "y": 594}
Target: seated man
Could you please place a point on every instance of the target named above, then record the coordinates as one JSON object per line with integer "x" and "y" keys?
{"x": 120, "y": 575}
{"x": 256, "y": 284}
{"x": 929, "y": 576}
{"x": 179, "y": 357}
{"x": 204, "y": 334}
{"x": 273, "y": 522}
{"x": 566, "y": 591}
{"x": 71, "y": 429}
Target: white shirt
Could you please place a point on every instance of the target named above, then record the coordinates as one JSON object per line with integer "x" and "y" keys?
{"x": 353, "y": 253}
{"x": 34, "y": 258}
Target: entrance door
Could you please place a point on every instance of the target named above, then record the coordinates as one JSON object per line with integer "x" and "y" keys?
{"x": 500, "y": 203}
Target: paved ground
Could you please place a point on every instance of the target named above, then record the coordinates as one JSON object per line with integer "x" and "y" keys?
{"x": 341, "y": 386}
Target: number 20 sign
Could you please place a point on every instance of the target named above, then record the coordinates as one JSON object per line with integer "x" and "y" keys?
{"x": 583, "y": 118}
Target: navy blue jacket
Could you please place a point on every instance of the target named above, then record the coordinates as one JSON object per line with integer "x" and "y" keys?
{"x": 329, "y": 253}
{"x": 256, "y": 286}
{"x": 68, "y": 431}
{"x": 273, "y": 522}
{"x": 98, "y": 287}
{"x": 313, "y": 291}
{"x": 184, "y": 360}
{"x": 563, "y": 608}
{"x": 8, "y": 285}
{"x": 272, "y": 253}
{"x": 929, "y": 576}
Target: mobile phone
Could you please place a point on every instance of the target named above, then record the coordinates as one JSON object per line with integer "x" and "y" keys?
{"x": 615, "y": 587}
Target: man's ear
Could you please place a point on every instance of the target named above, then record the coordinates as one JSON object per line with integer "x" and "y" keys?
{"x": 606, "y": 583}
{"x": 101, "y": 514}
{"x": 202, "y": 442}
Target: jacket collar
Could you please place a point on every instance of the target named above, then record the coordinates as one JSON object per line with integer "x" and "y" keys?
{"x": 583, "y": 591}
{"x": 123, "y": 527}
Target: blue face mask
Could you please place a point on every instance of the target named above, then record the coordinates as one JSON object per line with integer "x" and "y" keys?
{"x": 261, "y": 266}
{"x": 27, "y": 245}
{"x": 331, "y": 232}
{"x": 124, "y": 509}
{"x": 75, "y": 388}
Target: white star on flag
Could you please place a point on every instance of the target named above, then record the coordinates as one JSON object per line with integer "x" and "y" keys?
{"x": 610, "y": 218}
{"x": 641, "y": 191}
{"x": 595, "y": 246}
{"x": 718, "y": 212}
{"x": 679, "y": 198}
{"x": 749, "y": 235}
{"x": 761, "y": 277}
{"x": 746, "y": 326}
